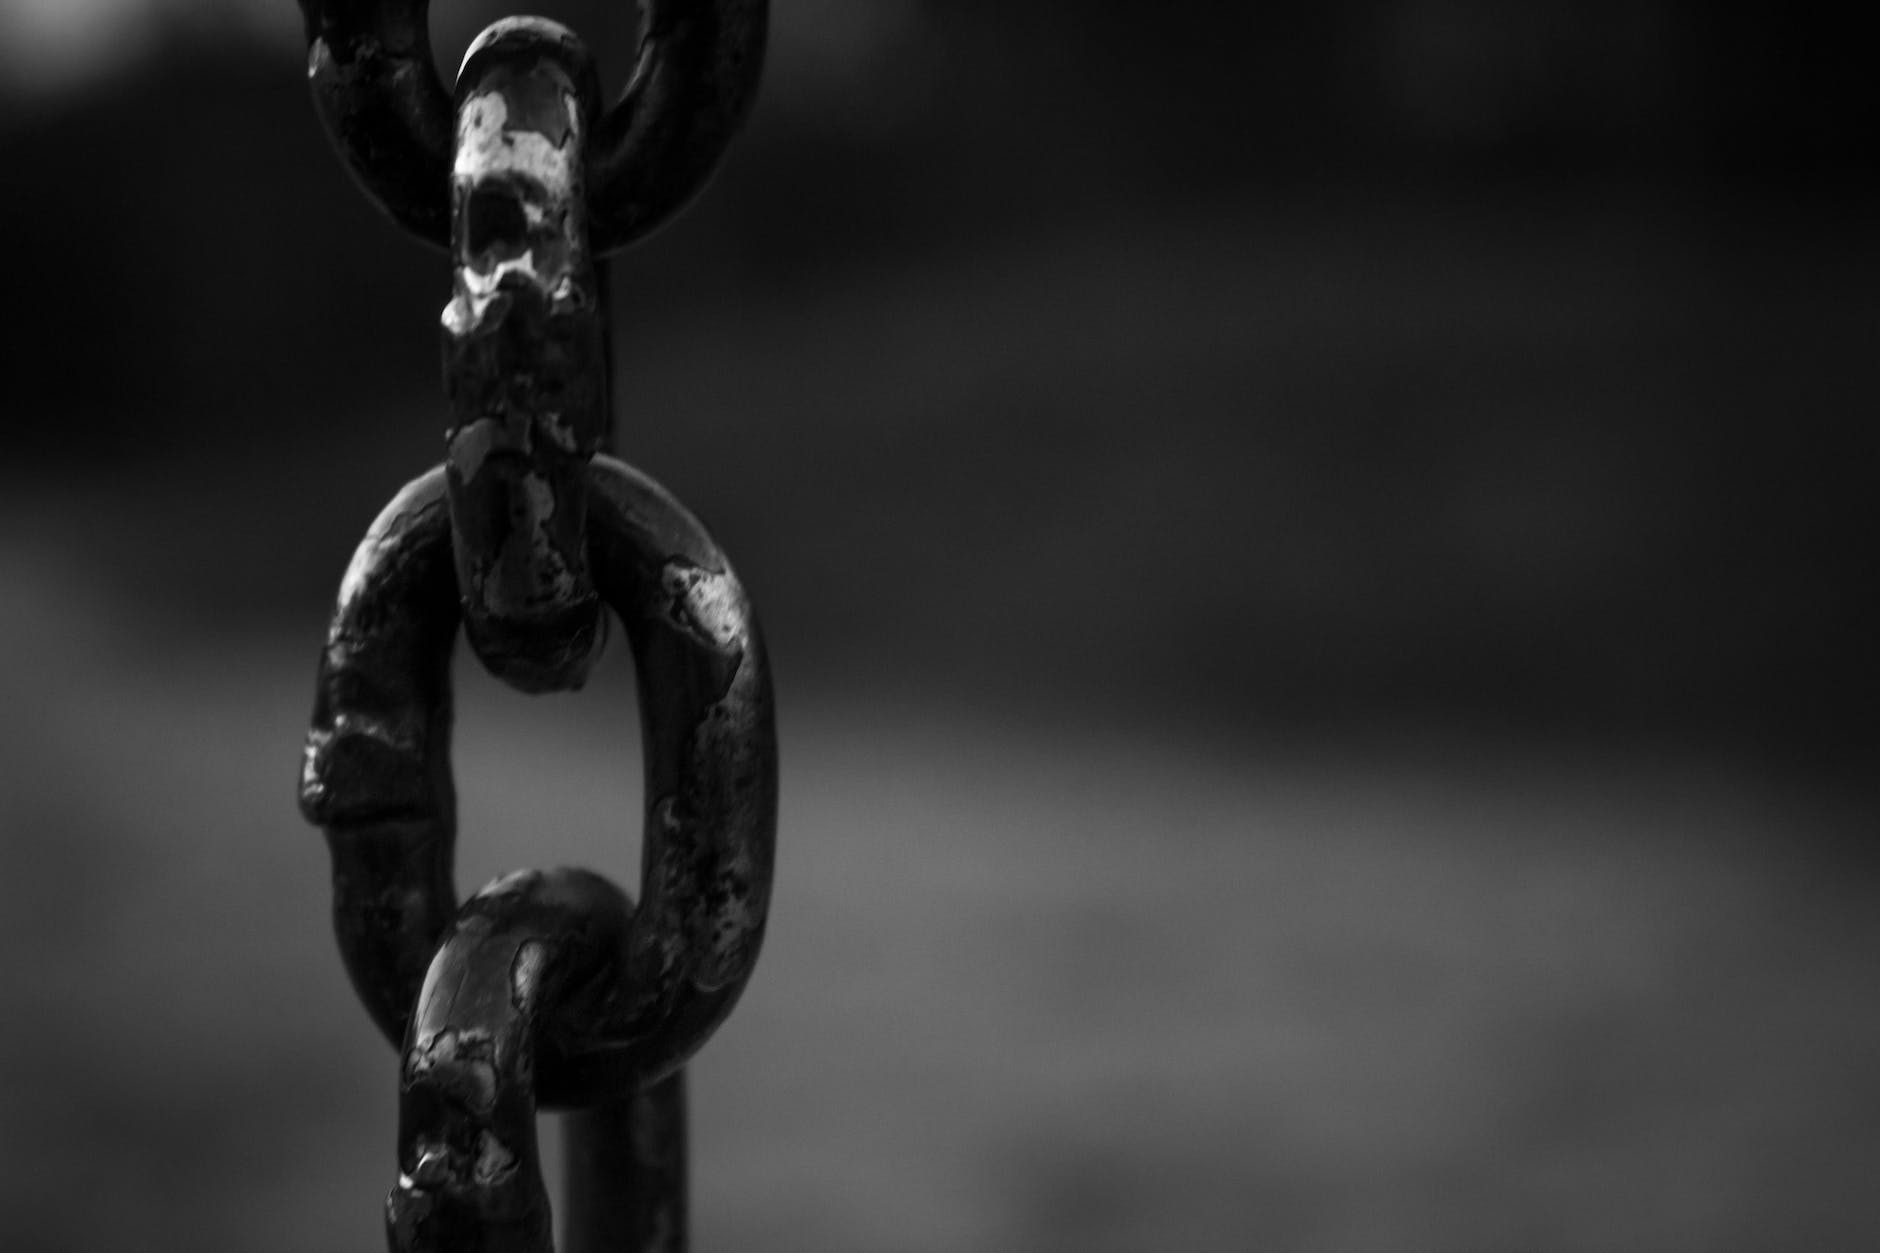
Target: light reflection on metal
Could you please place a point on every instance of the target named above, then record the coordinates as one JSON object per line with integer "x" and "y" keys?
{"x": 695, "y": 76}
{"x": 545, "y": 989}
{"x": 525, "y": 359}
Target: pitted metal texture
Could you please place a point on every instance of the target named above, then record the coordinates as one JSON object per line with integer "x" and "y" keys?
{"x": 376, "y": 773}
{"x": 547, "y": 989}
{"x": 525, "y": 355}
{"x": 377, "y": 91}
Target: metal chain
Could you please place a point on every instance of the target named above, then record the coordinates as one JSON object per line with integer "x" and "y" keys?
{"x": 547, "y": 989}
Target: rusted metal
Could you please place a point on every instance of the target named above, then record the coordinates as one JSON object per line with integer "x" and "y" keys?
{"x": 518, "y": 982}
{"x": 692, "y": 86}
{"x": 695, "y": 75}
{"x": 374, "y": 86}
{"x": 376, "y": 772}
{"x": 546, "y": 990}
{"x": 376, "y": 776}
{"x": 525, "y": 358}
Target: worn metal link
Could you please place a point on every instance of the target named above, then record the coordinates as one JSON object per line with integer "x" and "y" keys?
{"x": 507, "y": 998}
{"x": 525, "y": 355}
{"x": 694, "y": 78}
{"x": 377, "y": 772}
{"x": 545, "y": 989}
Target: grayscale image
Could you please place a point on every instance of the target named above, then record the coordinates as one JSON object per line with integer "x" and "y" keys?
{"x": 939, "y": 626}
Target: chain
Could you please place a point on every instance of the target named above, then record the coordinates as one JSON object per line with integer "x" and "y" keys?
{"x": 546, "y": 989}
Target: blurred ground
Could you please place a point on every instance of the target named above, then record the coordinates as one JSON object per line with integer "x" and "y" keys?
{"x": 1028, "y": 986}
{"x": 1318, "y": 563}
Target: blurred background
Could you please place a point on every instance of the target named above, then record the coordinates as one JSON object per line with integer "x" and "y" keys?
{"x": 1318, "y": 559}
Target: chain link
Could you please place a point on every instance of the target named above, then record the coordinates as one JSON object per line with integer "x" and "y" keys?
{"x": 374, "y": 84}
{"x": 525, "y": 358}
{"x": 545, "y": 989}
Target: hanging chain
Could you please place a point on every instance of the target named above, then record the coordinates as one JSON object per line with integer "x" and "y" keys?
{"x": 547, "y": 989}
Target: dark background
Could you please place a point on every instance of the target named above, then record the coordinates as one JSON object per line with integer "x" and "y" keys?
{"x": 1318, "y": 559}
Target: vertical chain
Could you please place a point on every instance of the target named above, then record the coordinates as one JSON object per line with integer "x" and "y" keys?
{"x": 545, "y": 989}
{"x": 525, "y": 363}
